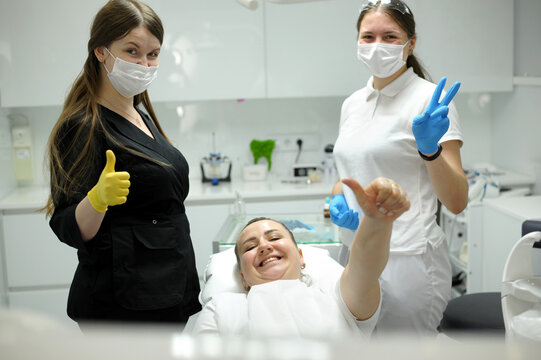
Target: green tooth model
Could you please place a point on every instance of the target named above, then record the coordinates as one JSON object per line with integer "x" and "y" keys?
{"x": 262, "y": 148}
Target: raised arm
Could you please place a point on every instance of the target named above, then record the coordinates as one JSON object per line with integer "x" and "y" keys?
{"x": 443, "y": 161}
{"x": 382, "y": 202}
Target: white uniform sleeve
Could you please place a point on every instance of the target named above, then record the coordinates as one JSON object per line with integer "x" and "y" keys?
{"x": 206, "y": 320}
{"x": 366, "y": 327}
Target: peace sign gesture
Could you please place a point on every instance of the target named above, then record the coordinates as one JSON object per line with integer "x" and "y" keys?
{"x": 429, "y": 127}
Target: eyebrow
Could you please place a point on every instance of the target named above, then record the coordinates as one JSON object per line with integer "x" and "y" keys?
{"x": 385, "y": 32}
{"x": 265, "y": 233}
{"x": 133, "y": 43}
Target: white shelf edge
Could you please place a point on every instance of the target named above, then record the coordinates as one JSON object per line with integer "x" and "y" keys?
{"x": 527, "y": 80}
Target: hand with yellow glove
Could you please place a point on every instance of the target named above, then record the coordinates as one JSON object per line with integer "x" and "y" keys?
{"x": 112, "y": 187}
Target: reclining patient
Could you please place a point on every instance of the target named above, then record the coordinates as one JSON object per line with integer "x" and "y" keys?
{"x": 281, "y": 301}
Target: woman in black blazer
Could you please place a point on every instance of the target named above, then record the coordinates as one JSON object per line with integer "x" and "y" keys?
{"x": 118, "y": 185}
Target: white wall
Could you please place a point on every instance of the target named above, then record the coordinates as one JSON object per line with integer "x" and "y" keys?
{"x": 516, "y": 122}
{"x": 488, "y": 120}
{"x": 236, "y": 123}
{"x": 7, "y": 180}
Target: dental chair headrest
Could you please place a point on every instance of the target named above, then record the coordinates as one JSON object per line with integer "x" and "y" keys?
{"x": 222, "y": 275}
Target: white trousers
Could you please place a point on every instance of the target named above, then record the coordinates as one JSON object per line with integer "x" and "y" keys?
{"x": 415, "y": 292}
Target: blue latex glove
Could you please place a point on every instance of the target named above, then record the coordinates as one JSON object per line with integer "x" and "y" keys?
{"x": 341, "y": 214}
{"x": 429, "y": 127}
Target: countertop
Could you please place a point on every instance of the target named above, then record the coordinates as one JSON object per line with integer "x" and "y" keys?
{"x": 34, "y": 198}
{"x": 520, "y": 207}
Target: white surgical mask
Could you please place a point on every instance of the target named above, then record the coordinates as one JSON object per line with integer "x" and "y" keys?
{"x": 130, "y": 79}
{"x": 383, "y": 60}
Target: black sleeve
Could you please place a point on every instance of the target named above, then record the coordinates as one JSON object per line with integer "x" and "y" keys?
{"x": 71, "y": 141}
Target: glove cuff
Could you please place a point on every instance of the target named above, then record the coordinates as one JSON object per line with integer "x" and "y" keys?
{"x": 94, "y": 201}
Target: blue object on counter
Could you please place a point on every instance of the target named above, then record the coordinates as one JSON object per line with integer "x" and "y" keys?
{"x": 297, "y": 225}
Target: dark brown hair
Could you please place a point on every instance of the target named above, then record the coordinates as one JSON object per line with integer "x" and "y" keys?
{"x": 405, "y": 20}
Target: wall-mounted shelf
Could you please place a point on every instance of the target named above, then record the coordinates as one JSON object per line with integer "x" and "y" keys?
{"x": 527, "y": 80}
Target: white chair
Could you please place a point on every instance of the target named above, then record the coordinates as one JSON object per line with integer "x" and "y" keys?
{"x": 222, "y": 275}
{"x": 521, "y": 289}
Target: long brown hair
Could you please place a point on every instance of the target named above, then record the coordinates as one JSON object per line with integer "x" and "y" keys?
{"x": 404, "y": 19}
{"x": 114, "y": 21}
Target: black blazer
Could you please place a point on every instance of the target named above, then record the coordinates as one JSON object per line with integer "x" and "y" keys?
{"x": 142, "y": 257}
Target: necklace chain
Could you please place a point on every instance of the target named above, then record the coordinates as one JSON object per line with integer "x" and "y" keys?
{"x": 138, "y": 122}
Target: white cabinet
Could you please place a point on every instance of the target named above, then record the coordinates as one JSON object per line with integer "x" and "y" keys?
{"x": 39, "y": 268}
{"x": 467, "y": 41}
{"x": 34, "y": 255}
{"x": 212, "y": 49}
{"x": 52, "y": 302}
{"x": 43, "y": 48}
{"x": 502, "y": 228}
{"x": 465, "y": 239}
{"x": 312, "y": 49}
{"x": 205, "y": 222}
{"x": 482, "y": 236}
{"x": 217, "y": 49}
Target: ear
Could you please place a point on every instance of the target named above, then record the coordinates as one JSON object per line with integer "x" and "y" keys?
{"x": 412, "y": 43}
{"x": 99, "y": 52}
{"x": 303, "y": 264}
{"x": 244, "y": 283}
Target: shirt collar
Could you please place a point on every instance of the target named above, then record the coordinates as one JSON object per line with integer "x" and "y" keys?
{"x": 393, "y": 88}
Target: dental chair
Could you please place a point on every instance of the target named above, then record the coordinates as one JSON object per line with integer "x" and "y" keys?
{"x": 222, "y": 275}
{"x": 492, "y": 313}
{"x": 521, "y": 287}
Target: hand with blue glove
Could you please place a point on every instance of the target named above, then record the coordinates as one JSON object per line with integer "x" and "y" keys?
{"x": 429, "y": 127}
{"x": 341, "y": 214}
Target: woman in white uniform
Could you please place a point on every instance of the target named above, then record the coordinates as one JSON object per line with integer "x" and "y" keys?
{"x": 280, "y": 301}
{"x": 397, "y": 127}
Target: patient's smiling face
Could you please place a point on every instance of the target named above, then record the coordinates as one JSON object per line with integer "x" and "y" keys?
{"x": 266, "y": 253}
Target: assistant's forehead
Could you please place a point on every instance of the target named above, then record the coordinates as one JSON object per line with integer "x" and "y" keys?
{"x": 379, "y": 21}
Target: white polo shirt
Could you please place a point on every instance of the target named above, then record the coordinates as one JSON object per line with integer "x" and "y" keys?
{"x": 375, "y": 140}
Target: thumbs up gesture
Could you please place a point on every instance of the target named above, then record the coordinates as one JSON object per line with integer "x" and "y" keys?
{"x": 112, "y": 187}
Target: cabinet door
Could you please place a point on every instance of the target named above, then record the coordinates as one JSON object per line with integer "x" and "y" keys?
{"x": 312, "y": 49}
{"x": 43, "y": 49}
{"x": 212, "y": 49}
{"x": 34, "y": 255}
{"x": 51, "y": 303}
{"x": 205, "y": 222}
{"x": 467, "y": 41}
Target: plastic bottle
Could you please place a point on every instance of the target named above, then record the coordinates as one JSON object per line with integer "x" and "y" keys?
{"x": 326, "y": 212}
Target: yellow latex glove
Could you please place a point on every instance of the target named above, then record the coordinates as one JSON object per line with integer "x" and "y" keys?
{"x": 112, "y": 187}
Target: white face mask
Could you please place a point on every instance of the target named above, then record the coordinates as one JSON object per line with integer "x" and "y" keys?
{"x": 383, "y": 60}
{"x": 130, "y": 79}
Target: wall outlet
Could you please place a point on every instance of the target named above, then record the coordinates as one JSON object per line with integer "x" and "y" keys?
{"x": 288, "y": 142}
